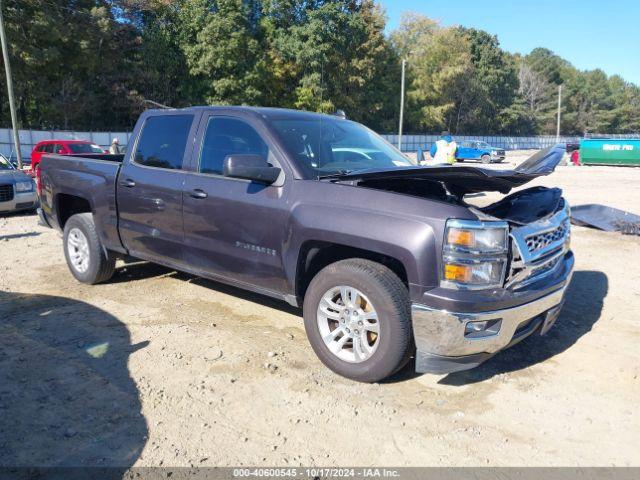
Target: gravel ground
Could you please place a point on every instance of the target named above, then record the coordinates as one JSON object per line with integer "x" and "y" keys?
{"x": 163, "y": 368}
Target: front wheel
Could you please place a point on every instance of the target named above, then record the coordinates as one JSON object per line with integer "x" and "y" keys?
{"x": 485, "y": 159}
{"x": 358, "y": 319}
{"x": 86, "y": 258}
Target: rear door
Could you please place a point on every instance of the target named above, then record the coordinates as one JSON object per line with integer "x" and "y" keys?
{"x": 149, "y": 189}
{"x": 235, "y": 228}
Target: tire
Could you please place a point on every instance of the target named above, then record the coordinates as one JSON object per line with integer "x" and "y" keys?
{"x": 485, "y": 159}
{"x": 86, "y": 258}
{"x": 383, "y": 293}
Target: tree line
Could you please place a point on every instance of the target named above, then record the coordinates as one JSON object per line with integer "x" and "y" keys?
{"x": 91, "y": 65}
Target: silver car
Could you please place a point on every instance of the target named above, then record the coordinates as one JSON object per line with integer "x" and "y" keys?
{"x": 17, "y": 189}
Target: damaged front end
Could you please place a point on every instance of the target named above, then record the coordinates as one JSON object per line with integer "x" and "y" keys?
{"x": 503, "y": 276}
{"x": 538, "y": 217}
{"x": 540, "y": 233}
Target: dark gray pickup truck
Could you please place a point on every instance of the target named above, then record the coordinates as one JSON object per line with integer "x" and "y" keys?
{"x": 386, "y": 258}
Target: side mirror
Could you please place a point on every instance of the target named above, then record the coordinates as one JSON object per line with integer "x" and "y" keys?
{"x": 250, "y": 167}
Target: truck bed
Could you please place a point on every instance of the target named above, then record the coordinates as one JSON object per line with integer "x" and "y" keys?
{"x": 93, "y": 176}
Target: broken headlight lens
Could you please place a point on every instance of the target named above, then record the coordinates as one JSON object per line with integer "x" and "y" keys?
{"x": 474, "y": 254}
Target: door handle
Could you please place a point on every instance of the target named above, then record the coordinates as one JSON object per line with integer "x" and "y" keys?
{"x": 199, "y": 194}
{"x": 159, "y": 203}
{"x": 128, "y": 183}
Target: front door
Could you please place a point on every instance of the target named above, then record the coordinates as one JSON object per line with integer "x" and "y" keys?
{"x": 150, "y": 189}
{"x": 234, "y": 228}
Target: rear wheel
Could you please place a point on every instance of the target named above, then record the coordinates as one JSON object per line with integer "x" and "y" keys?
{"x": 86, "y": 258}
{"x": 358, "y": 321}
{"x": 485, "y": 158}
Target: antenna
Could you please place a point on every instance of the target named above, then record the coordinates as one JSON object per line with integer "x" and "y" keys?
{"x": 156, "y": 104}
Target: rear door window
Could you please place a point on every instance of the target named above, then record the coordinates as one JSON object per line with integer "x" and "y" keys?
{"x": 48, "y": 148}
{"x": 228, "y": 136}
{"x": 163, "y": 141}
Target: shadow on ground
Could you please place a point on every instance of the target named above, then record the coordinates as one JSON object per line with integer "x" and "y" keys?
{"x": 66, "y": 396}
{"x": 139, "y": 270}
{"x": 581, "y": 311}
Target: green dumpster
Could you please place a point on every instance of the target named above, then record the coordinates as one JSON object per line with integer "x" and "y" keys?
{"x": 610, "y": 151}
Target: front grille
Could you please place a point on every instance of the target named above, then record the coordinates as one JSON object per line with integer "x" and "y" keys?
{"x": 537, "y": 249}
{"x": 501, "y": 153}
{"x": 6, "y": 193}
{"x": 543, "y": 240}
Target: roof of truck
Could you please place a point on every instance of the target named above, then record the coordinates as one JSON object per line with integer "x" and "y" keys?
{"x": 265, "y": 112}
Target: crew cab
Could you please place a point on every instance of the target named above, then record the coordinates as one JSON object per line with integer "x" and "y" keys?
{"x": 479, "y": 151}
{"x": 386, "y": 258}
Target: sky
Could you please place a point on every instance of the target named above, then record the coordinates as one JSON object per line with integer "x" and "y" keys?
{"x": 589, "y": 33}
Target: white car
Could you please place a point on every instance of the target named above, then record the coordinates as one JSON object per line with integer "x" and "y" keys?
{"x": 17, "y": 189}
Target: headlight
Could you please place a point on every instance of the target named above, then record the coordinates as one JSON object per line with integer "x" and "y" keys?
{"x": 24, "y": 186}
{"x": 474, "y": 254}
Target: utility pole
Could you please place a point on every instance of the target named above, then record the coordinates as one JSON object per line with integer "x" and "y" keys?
{"x": 404, "y": 63}
{"x": 12, "y": 106}
{"x": 559, "y": 107}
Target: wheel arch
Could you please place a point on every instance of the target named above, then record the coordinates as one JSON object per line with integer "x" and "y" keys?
{"x": 314, "y": 255}
{"x": 67, "y": 205}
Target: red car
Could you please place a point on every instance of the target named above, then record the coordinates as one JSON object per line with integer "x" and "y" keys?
{"x": 61, "y": 147}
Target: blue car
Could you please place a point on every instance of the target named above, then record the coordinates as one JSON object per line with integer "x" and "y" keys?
{"x": 479, "y": 151}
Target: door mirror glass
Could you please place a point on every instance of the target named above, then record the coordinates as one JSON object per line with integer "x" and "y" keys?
{"x": 250, "y": 167}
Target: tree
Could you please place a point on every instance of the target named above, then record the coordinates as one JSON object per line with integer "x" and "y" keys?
{"x": 90, "y": 64}
{"x": 226, "y": 53}
{"x": 494, "y": 83}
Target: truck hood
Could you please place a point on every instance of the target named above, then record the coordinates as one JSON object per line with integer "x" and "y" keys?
{"x": 461, "y": 180}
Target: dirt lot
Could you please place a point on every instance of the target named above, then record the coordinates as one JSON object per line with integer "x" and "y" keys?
{"x": 162, "y": 368}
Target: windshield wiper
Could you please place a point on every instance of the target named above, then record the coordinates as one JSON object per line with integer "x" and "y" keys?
{"x": 336, "y": 174}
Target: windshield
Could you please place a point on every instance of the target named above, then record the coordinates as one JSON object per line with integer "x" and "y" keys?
{"x": 85, "y": 148}
{"x": 484, "y": 145}
{"x": 328, "y": 147}
{"x": 5, "y": 164}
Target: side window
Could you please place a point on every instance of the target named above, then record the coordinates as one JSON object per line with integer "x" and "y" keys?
{"x": 163, "y": 141}
{"x": 48, "y": 148}
{"x": 228, "y": 136}
{"x": 57, "y": 147}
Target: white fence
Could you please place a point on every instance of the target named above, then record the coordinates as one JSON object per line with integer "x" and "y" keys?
{"x": 411, "y": 143}
{"x": 29, "y": 138}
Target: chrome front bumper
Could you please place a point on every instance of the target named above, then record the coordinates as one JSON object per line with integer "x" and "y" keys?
{"x": 21, "y": 201}
{"x": 441, "y": 344}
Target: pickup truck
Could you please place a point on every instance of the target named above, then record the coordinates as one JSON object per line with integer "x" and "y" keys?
{"x": 479, "y": 151}
{"x": 387, "y": 259}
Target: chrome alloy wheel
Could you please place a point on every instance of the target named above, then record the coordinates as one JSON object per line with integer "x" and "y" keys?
{"x": 348, "y": 324}
{"x": 78, "y": 249}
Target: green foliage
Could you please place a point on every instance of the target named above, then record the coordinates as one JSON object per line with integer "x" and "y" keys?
{"x": 90, "y": 64}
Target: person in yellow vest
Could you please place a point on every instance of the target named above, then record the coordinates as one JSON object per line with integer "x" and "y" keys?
{"x": 444, "y": 150}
